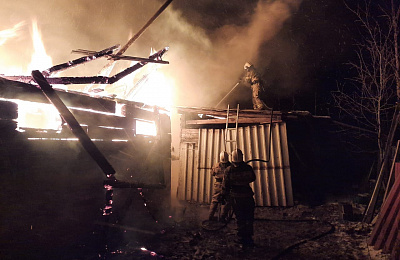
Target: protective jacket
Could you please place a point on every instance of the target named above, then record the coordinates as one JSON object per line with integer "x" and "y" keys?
{"x": 255, "y": 81}
{"x": 236, "y": 188}
{"x": 237, "y": 180}
{"x": 218, "y": 171}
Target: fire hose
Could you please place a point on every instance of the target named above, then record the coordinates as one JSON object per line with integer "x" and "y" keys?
{"x": 289, "y": 248}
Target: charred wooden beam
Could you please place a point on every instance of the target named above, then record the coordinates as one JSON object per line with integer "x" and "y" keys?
{"x": 75, "y": 127}
{"x": 121, "y": 57}
{"x": 157, "y": 55}
{"x": 108, "y": 67}
{"x": 17, "y": 90}
{"x": 132, "y": 58}
{"x": 141, "y": 31}
{"x": 74, "y": 63}
{"x": 93, "y": 79}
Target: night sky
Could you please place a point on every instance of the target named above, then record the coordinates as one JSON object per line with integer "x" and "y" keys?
{"x": 300, "y": 47}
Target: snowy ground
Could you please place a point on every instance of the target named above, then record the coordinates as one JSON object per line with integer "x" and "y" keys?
{"x": 298, "y": 232}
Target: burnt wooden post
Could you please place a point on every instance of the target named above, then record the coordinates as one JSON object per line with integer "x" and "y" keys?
{"x": 73, "y": 124}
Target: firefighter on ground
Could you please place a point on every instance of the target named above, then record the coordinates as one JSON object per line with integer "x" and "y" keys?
{"x": 253, "y": 78}
{"x": 236, "y": 188}
{"x": 218, "y": 171}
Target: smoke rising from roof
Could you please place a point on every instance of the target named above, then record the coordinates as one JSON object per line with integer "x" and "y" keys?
{"x": 209, "y": 41}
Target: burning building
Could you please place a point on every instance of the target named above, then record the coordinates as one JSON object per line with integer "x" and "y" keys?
{"x": 61, "y": 146}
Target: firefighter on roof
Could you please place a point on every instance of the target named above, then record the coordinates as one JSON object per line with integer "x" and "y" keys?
{"x": 253, "y": 78}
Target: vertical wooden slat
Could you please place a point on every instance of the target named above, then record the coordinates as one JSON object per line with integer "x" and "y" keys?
{"x": 385, "y": 232}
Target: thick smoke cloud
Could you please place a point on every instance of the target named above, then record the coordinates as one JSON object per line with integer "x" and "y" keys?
{"x": 209, "y": 41}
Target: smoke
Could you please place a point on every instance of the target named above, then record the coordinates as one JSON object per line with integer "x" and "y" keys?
{"x": 209, "y": 41}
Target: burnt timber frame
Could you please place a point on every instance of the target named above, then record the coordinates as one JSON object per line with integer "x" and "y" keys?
{"x": 89, "y": 80}
{"x": 73, "y": 124}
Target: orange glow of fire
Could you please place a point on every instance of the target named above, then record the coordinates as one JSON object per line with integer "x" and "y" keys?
{"x": 40, "y": 59}
{"x": 146, "y": 128}
{"x": 157, "y": 90}
{"x": 38, "y": 115}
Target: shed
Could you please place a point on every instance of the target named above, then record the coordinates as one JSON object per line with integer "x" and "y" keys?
{"x": 204, "y": 133}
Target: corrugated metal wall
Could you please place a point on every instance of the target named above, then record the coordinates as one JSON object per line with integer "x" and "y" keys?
{"x": 200, "y": 152}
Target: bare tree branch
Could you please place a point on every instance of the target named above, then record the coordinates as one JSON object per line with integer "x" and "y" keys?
{"x": 369, "y": 99}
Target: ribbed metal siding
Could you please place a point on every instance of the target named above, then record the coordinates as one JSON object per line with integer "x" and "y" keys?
{"x": 273, "y": 185}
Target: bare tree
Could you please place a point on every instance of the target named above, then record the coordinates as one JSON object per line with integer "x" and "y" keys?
{"x": 369, "y": 100}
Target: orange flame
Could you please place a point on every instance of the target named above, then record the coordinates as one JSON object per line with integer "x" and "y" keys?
{"x": 155, "y": 91}
{"x": 40, "y": 59}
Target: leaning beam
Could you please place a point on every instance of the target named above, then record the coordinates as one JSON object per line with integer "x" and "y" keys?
{"x": 73, "y": 124}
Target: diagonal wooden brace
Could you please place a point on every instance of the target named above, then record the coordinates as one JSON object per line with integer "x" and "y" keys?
{"x": 73, "y": 124}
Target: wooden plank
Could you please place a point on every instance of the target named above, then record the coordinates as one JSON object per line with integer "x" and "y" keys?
{"x": 394, "y": 235}
{"x": 189, "y": 135}
{"x": 75, "y": 127}
{"x": 110, "y": 134}
{"x": 371, "y": 206}
{"x": 97, "y": 119}
{"x": 369, "y": 213}
{"x": 387, "y": 218}
{"x": 141, "y": 31}
{"x": 138, "y": 113}
{"x": 23, "y": 91}
{"x": 76, "y": 62}
{"x": 222, "y": 112}
{"x": 242, "y": 120}
{"x": 395, "y": 254}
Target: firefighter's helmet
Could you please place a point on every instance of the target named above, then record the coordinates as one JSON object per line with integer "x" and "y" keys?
{"x": 247, "y": 65}
{"x": 237, "y": 156}
{"x": 224, "y": 157}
